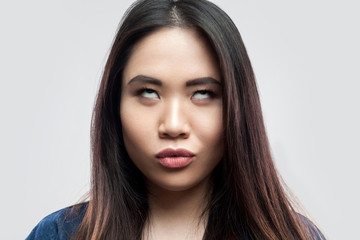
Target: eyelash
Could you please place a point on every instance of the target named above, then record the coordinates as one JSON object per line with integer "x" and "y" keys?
{"x": 206, "y": 91}
{"x": 141, "y": 91}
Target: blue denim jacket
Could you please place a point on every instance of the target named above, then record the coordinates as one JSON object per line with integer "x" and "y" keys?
{"x": 62, "y": 224}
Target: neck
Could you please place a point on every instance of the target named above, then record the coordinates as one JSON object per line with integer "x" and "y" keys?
{"x": 177, "y": 214}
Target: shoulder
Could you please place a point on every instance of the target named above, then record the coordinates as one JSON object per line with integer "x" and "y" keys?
{"x": 60, "y": 224}
{"x": 311, "y": 228}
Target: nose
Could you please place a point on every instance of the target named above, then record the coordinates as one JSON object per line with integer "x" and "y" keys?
{"x": 173, "y": 121}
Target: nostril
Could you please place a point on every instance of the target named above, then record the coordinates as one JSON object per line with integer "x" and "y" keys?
{"x": 166, "y": 131}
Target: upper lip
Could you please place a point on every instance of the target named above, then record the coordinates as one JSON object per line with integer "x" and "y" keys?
{"x": 169, "y": 152}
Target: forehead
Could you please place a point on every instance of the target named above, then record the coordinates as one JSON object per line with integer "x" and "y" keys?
{"x": 172, "y": 53}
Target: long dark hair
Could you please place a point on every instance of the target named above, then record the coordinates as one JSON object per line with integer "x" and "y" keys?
{"x": 247, "y": 199}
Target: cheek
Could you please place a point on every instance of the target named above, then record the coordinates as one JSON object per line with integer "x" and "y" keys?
{"x": 208, "y": 126}
{"x": 138, "y": 128}
{"x": 134, "y": 116}
{"x": 136, "y": 124}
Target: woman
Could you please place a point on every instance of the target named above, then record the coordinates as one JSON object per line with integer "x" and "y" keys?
{"x": 178, "y": 141}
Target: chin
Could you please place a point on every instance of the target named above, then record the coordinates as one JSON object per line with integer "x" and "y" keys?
{"x": 177, "y": 183}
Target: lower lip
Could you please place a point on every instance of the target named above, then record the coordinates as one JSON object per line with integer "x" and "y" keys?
{"x": 175, "y": 162}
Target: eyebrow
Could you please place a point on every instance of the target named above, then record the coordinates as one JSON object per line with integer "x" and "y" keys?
{"x": 202, "y": 81}
{"x": 145, "y": 79}
{"x": 193, "y": 82}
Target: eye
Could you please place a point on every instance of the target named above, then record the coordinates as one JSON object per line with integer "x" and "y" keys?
{"x": 203, "y": 94}
{"x": 147, "y": 93}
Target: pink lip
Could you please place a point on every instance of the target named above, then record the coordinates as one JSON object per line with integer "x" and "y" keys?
{"x": 175, "y": 158}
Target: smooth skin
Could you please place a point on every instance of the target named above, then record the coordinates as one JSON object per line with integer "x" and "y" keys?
{"x": 171, "y": 98}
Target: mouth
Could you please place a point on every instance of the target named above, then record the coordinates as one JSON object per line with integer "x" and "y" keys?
{"x": 175, "y": 158}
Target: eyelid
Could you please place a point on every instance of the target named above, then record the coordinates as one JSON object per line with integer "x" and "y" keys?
{"x": 142, "y": 90}
{"x": 211, "y": 94}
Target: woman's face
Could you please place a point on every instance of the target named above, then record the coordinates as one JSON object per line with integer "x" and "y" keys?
{"x": 171, "y": 109}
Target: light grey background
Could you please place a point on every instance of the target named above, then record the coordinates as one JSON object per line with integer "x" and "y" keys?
{"x": 306, "y": 58}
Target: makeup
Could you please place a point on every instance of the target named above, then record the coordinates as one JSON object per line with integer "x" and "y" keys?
{"x": 175, "y": 158}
